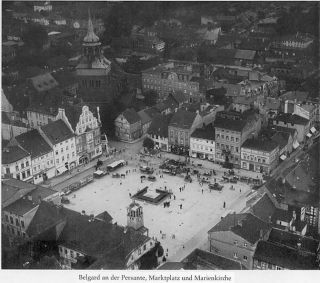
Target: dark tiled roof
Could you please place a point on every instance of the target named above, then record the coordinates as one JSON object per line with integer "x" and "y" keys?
{"x": 57, "y": 131}
{"x": 281, "y": 138}
{"x": 179, "y": 97}
{"x": 230, "y": 124}
{"x": 260, "y": 144}
{"x": 13, "y": 189}
{"x": 159, "y": 125}
{"x": 291, "y": 131}
{"x": 207, "y": 133}
{"x": 145, "y": 118}
{"x": 210, "y": 261}
{"x": 264, "y": 208}
{"x": 183, "y": 119}
{"x": 292, "y": 118}
{"x": 281, "y": 215}
{"x": 284, "y": 257}
{"x": 44, "y": 82}
{"x": 245, "y": 225}
{"x": 292, "y": 240}
{"x": 104, "y": 216}
{"x": 245, "y": 54}
{"x": 12, "y": 154}
{"x": 34, "y": 143}
{"x": 131, "y": 116}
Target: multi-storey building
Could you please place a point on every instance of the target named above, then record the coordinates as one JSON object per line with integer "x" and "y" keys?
{"x": 202, "y": 143}
{"x": 171, "y": 77}
{"x": 85, "y": 123}
{"x": 259, "y": 155}
{"x": 231, "y": 134}
{"x": 288, "y": 120}
{"x": 128, "y": 126}
{"x": 16, "y": 163}
{"x": 42, "y": 159}
{"x": 182, "y": 125}
{"x": 236, "y": 237}
{"x": 20, "y": 201}
{"x": 62, "y": 140}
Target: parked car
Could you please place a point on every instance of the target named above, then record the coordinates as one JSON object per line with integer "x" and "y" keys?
{"x": 215, "y": 186}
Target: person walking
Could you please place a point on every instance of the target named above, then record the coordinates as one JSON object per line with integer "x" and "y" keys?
{"x": 224, "y": 204}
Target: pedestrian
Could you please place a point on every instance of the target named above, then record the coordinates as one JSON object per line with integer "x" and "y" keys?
{"x": 174, "y": 197}
{"x": 202, "y": 191}
{"x": 120, "y": 183}
{"x": 240, "y": 190}
{"x": 224, "y": 204}
{"x": 160, "y": 232}
{"x": 183, "y": 246}
{"x": 180, "y": 190}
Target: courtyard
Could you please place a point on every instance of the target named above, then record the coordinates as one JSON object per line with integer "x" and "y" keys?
{"x": 182, "y": 226}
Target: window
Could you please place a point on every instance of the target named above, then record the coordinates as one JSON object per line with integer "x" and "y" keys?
{"x": 144, "y": 247}
{"x": 60, "y": 249}
{"x": 71, "y": 254}
{"x": 139, "y": 251}
{"x": 22, "y": 224}
{"x": 235, "y": 255}
{"x": 17, "y": 168}
{"x": 17, "y": 222}
{"x": 7, "y": 170}
{"x": 245, "y": 258}
{"x": 65, "y": 251}
{"x": 232, "y": 138}
{"x": 237, "y": 139}
{"x": 57, "y": 152}
{"x": 28, "y": 173}
{"x": 22, "y": 165}
{"x": 27, "y": 163}
{"x": 57, "y": 161}
{"x": 23, "y": 175}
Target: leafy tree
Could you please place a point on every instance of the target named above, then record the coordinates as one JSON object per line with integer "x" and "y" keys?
{"x": 148, "y": 143}
{"x": 151, "y": 97}
{"x": 34, "y": 37}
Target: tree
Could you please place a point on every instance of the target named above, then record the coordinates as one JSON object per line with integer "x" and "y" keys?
{"x": 34, "y": 37}
{"x": 151, "y": 97}
{"x": 148, "y": 143}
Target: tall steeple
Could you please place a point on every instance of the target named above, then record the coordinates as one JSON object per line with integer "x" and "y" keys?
{"x": 91, "y": 38}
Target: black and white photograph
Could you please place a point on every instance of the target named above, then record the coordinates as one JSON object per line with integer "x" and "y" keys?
{"x": 160, "y": 135}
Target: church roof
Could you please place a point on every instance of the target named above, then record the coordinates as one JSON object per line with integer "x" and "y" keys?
{"x": 91, "y": 37}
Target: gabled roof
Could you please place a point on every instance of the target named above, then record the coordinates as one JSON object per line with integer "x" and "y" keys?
{"x": 57, "y": 131}
{"x": 245, "y": 54}
{"x": 104, "y": 216}
{"x": 284, "y": 256}
{"x": 13, "y": 153}
{"x": 131, "y": 116}
{"x": 183, "y": 119}
{"x": 44, "y": 82}
{"x": 210, "y": 261}
{"x": 34, "y": 143}
{"x": 281, "y": 138}
{"x": 261, "y": 144}
{"x": 291, "y": 118}
{"x": 230, "y": 124}
{"x": 13, "y": 189}
{"x": 65, "y": 78}
{"x": 289, "y": 239}
{"x": 73, "y": 113}
{"x": 145, "y": 118}
{"x": 178, "y": 96}
{"x": 159, "y": 125}
{"x": 207, "y": 133}
{"x": 264, "y": 208}
{"x": 245, "y": 225}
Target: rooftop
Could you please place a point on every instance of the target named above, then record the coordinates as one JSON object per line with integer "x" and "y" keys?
{"x": 260, "y": 144}
{"x": 291, "y": 118}
{"x": 211, "y": 261}
{"x": 11, "y": 154}
{"x": 44, "y": 82}
{"x": 159, "y": 125}
{"x": 131, "y": 116}
{"x": 284, "y": 256}
{"x": 245, "y": 225}
{"x": 230, "y": 124}
{"x": 182, "y": 119}
{"x": 207, "y": 132}
{"x": 57, "y": 131}
{"x": 34, "y": 143}
{"x": 263, "y": 208}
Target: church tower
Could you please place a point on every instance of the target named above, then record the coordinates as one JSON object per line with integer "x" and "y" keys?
{"x": 135, "y": 218}
{"x": 93, "y": 70}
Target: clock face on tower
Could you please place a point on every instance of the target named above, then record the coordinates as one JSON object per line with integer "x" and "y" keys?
{"x": 76, "y": 25}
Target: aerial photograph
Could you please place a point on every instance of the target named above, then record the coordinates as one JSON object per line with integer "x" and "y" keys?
{"x": 160, "y": 135}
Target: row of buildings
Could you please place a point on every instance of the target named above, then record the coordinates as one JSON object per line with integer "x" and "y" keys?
{"x": 55, "y": 144}
{"x": 34, "y": 221}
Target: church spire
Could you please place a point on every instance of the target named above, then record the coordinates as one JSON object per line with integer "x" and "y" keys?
{"x": 91, "y": 37}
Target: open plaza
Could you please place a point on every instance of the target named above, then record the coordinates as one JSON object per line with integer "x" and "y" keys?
{"x": 193, "y": 208}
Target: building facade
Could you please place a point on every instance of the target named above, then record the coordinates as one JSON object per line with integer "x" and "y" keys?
{"x": 16, "y": 163}
{"x": 128, "y": 126}
{"x": 259, "y": 155}
{"x": 62, "y": 141}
